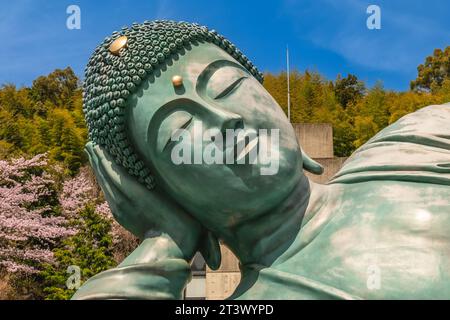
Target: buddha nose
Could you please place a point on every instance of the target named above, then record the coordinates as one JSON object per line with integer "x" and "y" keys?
{"x": 234, "y": 121}
{"x": 227, "y": 120}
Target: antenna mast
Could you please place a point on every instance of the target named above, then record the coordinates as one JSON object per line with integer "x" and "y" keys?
{"x": 288, "y": 87}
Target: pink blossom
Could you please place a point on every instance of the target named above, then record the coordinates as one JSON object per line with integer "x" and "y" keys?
{"x": 76, "y": 193}
{"x": 26, "y": 234}
{"x": 104, "y": 210}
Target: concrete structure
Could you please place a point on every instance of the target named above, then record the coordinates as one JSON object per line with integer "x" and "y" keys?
{"x": 317, "y": 141}
{"x": 221, "y": 283}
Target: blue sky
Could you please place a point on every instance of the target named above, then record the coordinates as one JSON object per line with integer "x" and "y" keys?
{"x": 330, "y": 37}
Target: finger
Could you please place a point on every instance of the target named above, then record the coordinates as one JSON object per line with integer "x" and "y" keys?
{"x": 120, "y": 184}
{"x": 95, "y": 155}
{"x": 92, "y": 156}
{"x": 108, "y": 166}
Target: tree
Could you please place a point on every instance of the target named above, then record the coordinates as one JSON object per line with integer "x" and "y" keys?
{"x": 348, "y": 90}
{"x": 29, "y": 227}
{"x": 16, "y": 101}
{"x": 402, "y": 103}
{"x": 101, "y": 243}
{"x": 10, "y": 131}
{"x": 343, "y": 135}
{"x": 433, "y": 72}
{"x": 444, "y": 91}
{"x": 46, "y": 227}
{"x": 313, "y": 99}
{"x": 67, "y": 140}
{"x": 46, "y": 118}
{"x": 365, "y": 128}
{"x": 91, "y": 250}
{"x": 57, "y": 88}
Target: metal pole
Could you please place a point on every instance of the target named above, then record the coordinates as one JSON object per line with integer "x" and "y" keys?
{"x": 288, "y": 87}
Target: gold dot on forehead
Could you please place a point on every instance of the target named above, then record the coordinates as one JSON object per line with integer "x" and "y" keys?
{"x": 177, "y": 80}
{"x": 118, "y": 44}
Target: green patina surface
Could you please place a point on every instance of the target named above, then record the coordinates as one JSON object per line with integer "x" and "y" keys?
{"x": 151, "y": 47}
{"x": 378, "y": 230}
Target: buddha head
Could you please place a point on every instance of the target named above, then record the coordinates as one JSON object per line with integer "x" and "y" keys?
{"x": 153, "y": 81}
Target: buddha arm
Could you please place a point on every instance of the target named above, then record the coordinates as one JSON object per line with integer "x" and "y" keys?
{"x": 155, "y": 270}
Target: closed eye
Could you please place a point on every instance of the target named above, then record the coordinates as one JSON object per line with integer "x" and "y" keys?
{"x": 184, "y": 126}
{"x": 230, "y": 88}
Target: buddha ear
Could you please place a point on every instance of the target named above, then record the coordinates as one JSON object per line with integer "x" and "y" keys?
{"x": 210, "y": 250}
{"x": 310, "y": 165}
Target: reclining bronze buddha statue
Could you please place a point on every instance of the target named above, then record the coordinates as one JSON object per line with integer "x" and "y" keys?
{"x": 388, "y": 208}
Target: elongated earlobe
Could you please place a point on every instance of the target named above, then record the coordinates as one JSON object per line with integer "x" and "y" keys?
{"x": 210, "y": 250}
{"x": 310, "y": 165}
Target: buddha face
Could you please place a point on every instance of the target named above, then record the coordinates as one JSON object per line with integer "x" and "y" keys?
{"x": 201, "y": 108}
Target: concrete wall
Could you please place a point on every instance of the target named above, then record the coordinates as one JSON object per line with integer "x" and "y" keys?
{"x": 316, "y": 139}
{"x": 220, "y": 284}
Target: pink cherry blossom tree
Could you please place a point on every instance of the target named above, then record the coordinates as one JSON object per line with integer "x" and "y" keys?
{"x": 76, "y": 193}
{"x": 81, "y": 190}
{"x": 28, "y": 226}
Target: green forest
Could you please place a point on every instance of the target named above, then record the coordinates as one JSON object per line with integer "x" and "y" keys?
{"x": 46, "y": 117}
{"x": 54, "y": 215}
